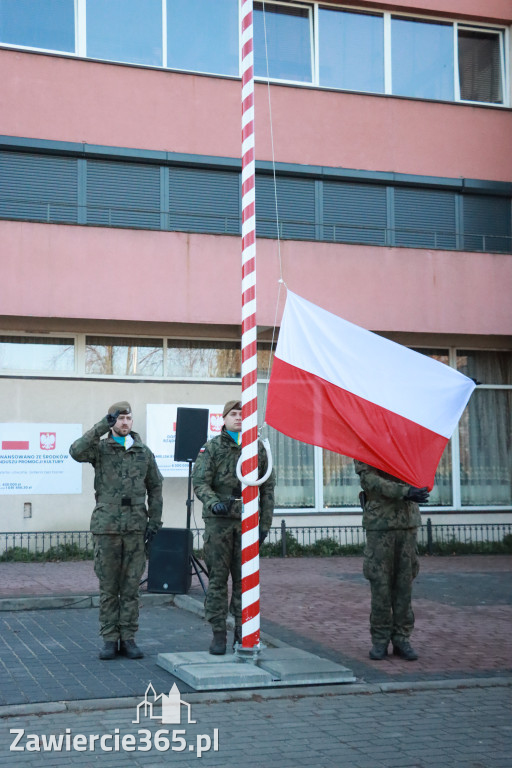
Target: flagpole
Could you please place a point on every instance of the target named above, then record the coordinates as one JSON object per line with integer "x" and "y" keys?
{"x": 249, "y": 458}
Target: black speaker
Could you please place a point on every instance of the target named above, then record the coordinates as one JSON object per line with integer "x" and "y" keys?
{"x": 169, "y": 567}
{"x": 191, "y": 433}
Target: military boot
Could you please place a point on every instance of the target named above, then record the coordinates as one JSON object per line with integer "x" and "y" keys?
{"x": 130, "y": 649}
{"x": 237, "y": 637}
{"x": 109, "y": 650}
{"x": 404, "y": 649}
{"x": 218, "y": 644}
{"x": 379, "y": 651}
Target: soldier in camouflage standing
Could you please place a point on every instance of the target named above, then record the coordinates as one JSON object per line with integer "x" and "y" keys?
{"x": 122, "y": 526}
{"x": 391, "y": 517}
{"x": 217, "y": 486}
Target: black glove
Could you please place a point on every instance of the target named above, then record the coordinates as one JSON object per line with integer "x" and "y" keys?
{"x": 148, "y": 538}
{"x": 112, "y": 418}
{"x": 220, "y": 508}
{"x": 418, "y": 494}
{"x": 263, "y": 536}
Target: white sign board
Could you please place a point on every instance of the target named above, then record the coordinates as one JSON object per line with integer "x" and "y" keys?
{"x": 34, "y": 458}
{"x": 161, "y": 434}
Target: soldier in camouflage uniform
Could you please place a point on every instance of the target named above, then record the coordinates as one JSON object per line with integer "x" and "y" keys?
{"x": 125, "y": 471}
{"x": 217, "y": 486}
{"x": 391, "y": 517}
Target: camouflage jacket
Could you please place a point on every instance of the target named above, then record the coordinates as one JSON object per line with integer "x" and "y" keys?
{"x": 122, "y": 478}
{"x": 215, "y": 479}
{"x": 386, "y": 506}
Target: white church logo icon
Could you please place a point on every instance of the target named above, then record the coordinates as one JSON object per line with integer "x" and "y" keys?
{"x": 171, "y": 706}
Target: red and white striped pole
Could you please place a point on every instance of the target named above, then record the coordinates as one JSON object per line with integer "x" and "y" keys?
{"x": 249, "y": 470}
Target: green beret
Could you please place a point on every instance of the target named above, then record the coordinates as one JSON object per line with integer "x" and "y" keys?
{"x": 231, "y": 405}
{"x": 122, "y": 407}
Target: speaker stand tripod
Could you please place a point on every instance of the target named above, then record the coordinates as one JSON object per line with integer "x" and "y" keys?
{"x": 194, "y": 563}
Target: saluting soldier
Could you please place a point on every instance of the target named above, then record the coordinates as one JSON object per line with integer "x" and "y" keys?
{"x": 217, "y": 486}
{"x": 122, "y": 523}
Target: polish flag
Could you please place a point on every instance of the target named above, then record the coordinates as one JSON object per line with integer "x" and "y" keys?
{"x": 338, "y": 386}
{"x": 15, "y": 445}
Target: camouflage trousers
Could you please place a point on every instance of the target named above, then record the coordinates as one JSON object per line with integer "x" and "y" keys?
{"x": 119, "y": 562}
{"x": 222, "y": 554}
{"x": 390, "y": 565}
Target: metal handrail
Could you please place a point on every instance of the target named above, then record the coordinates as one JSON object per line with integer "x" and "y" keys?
{"x": 232, "y": 223}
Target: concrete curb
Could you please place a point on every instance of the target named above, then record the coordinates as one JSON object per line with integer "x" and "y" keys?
{"x": 51, "y": 602}
{"x": 212, "y": 697}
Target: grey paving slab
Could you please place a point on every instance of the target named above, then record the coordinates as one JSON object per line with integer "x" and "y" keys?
{"x": 208, "y": 677}
{"x": 291, "y": 669}
{"x": 273, "y": 667}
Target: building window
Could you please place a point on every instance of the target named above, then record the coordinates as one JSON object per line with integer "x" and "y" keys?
{"x": 202, "y": 36}
{"x": 295, "y": 206}
{"x": 265, "y": 355}
{"x": 37, "y": 353}
{"x": 125, "y": 30}
{"x": 422, "y": 59}
{"x": 56, "y": 188}
{"x": 203, "y": 359}
{"x": 201, "y": 200}
{"x": 475, "y": 470}
{"x": 487, "y": 224}
{"x": 340, "y": 482}
{"x": 283, "y": 34}
{"x": 38, "y": 187}
{"x": 47, "y": 24}
{"x": 116, "y": 356}
{"x": 480, "y": 66}
{"x": 485, "y": 430}
{"x": 123, "y": 194}
{"x": 354, "y": 213}
{"x": 294, "y": 464}
{"x": 424, "y": 218}
{"x": 351, "y": 50}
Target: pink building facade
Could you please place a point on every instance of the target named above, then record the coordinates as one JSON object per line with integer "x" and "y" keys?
{"x": 385, "y": 136}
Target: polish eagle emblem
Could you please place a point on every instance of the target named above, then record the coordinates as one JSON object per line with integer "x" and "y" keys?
{"x": 47, "y": 440}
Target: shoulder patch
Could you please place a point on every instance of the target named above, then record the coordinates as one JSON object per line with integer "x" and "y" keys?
{"x": 201, "y": 450}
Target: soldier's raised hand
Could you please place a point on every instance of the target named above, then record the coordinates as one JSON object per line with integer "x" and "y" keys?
{"x": 112, "y": 418}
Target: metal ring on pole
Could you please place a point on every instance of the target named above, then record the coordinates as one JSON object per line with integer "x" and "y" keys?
{"x": 260, "y": 480}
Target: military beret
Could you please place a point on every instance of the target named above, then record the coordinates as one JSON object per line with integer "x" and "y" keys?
{"x": 231, "y": 405}
{"x": 122, "y": 407}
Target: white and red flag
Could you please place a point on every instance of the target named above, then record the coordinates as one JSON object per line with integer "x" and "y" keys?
{"x": 341, "y": 387}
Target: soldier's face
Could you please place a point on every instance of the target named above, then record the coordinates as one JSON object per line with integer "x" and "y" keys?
{"x": 233, "y": 421}
{"x": 123, "y": 425}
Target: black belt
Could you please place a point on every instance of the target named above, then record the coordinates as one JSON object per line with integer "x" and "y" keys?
{"x": 124, "y": 501}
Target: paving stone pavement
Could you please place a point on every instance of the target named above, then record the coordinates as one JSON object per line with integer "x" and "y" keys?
{"x": 451, "y": 708}
{"x": 463, "y": 608}
{"x": 461, "y": 728}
